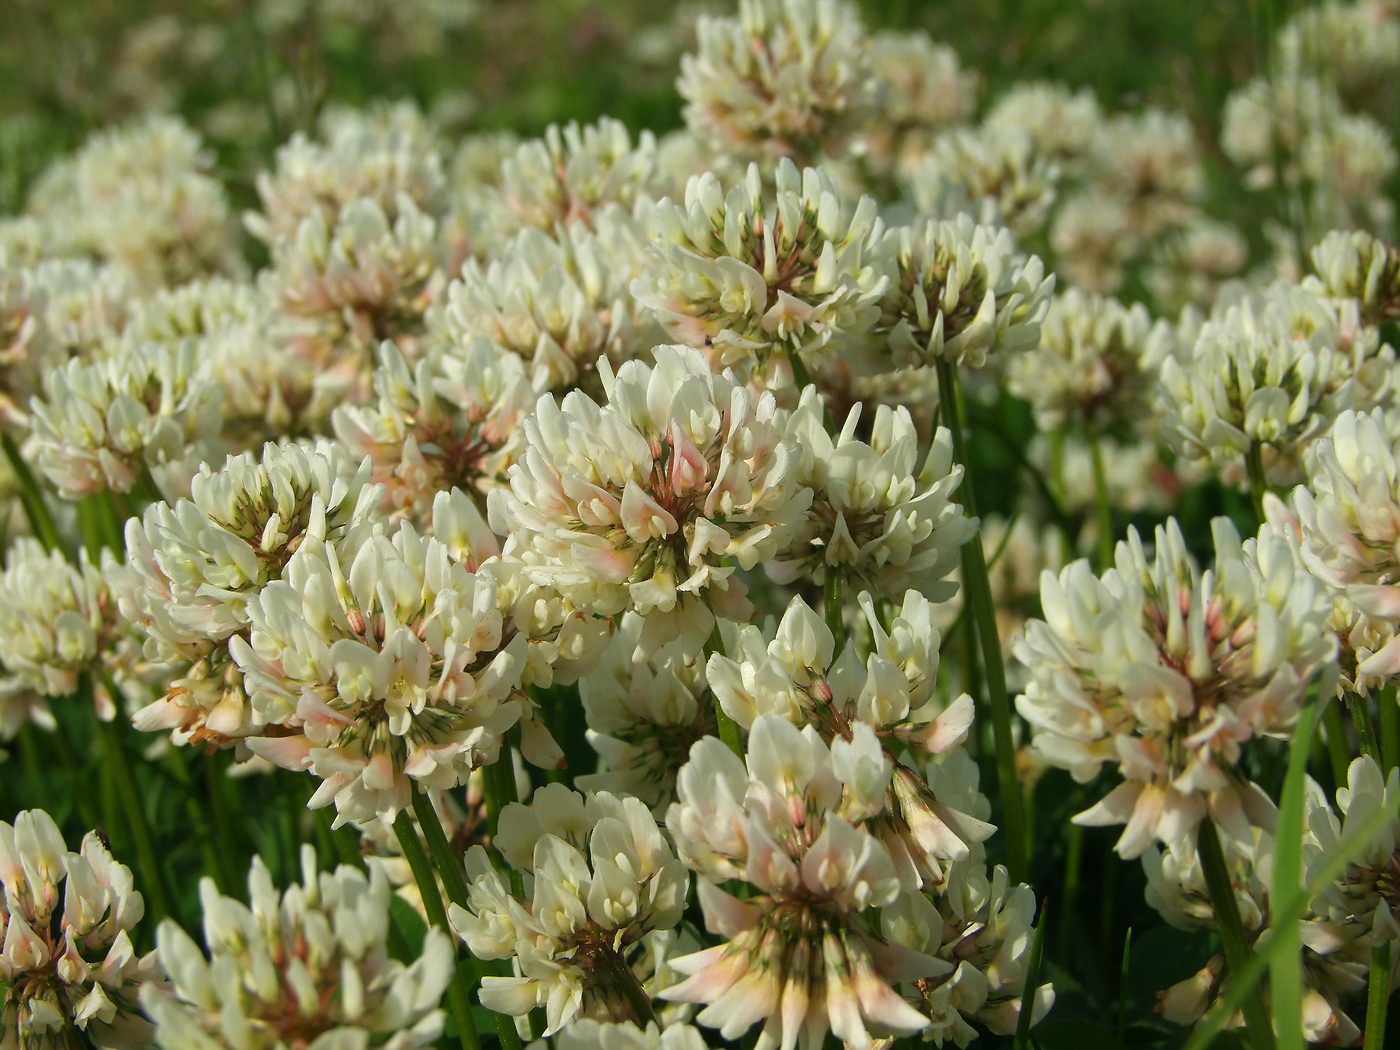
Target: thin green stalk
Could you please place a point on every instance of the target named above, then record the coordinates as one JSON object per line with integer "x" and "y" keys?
{"x": 34, "y": 766}
{"x": 129, "y": 795}
{"x": 1365, "y": 732}
{"x": 979, "y": 598}
{"x": 1123, "y": 988}
{"x": 450, "y": 870}
{"x": 1286, "y": 969}
{"x": 1390, "y": 727}
{"x": 835, "y": 614}
{"x": 76, "y": 779}
{"x": 1258, "y": 485}
{"x": 1102, "y": 505}
{"x": 1227, "y": 915}
{"x": 728, "y": 729}
{"x": 1338, "y": 750}
{"x": 215, "y": 784}
{"x": 1025, "y": 1018}
{"x": 36, "y": 509}
{"x": 500, "y": 793}
{"x": 1377, "y": 997}
{"x": 1069, "y": 899}
{"x": 458, "y": 999}
{"x": 341, "y": 847}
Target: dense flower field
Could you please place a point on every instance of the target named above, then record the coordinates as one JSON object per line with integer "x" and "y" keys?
{"x": 505, "y": 590}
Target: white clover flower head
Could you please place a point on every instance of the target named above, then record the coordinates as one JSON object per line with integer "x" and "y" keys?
{"x": 1345, "y": 521}
{"x": 141, "y": 198}
{"x": 51, "y": 311}
{"x": 387, "y": 660}
{"x": 987, "y": 952}
{"x": 785, "y": 78}
{"x": 1095, "y": 365}
{"x": 308, "y": 966}
{"x": 101, "y": 425}
{"x": 872, "y": 521}
{"x": 450, "y": 423}
{"x": 797, "y": 954}
{"x": 192, "y": 567}
{"x": 753, "y": 278}
{"x": 58, "y": 621}
{"x": 377, "y": 155}
{"x": 559, "y": 302}
{"x": 644, "y": 715}
{"x": 1062, "y": 123}
{"x": 923, "y": 89}
{"x": 1362, "y": 903}
{"x": 1167, "y": 672}
{"x": 68, "y": 965}
{"x": 346, "y": 283}
{"x": 602, "y": 880}
{"x": 960, "y": 291}
{"x": 1262, "y": 373}
{"x": 574, "y": 172}
{"x": 588, "y": 1034}
{"x": 996, "y": 171}
{"x": 1151, "y": 162}
{"x": 645, "y": 502}
{"x": 267, "y": 392}
{"x": 1355, "y": 44}
{"x": 1192, "y": 263}
{"x": 1354, "y": 264}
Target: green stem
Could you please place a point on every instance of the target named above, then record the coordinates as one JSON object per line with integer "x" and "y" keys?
{"x": 728, "y": 729}
{"x": 215, "y": 784}
{"x": 1069, "y": 899}
{"x": 835, "y": 614}
{"x": 1102, "y": 505}
{"x": 449, "y": 869}
{"x": 1365, "y": 732}
{"x": 1337, "y": 749}
{"x": 1227, "y": 916}
{"x": 1024, "y": 1019}
{"x": 500, "y": 792}
{"x": 979, "y": 598}
{"x": 129, "y": 795}
{"x": 1123, "y": 989}
{"x": 1390, "y": 727}
{"x": 458, "y": 999}
{"x": 1254, "y": 464}
{"x": 1377, "y": 997}
{"x": 36, "y": 509}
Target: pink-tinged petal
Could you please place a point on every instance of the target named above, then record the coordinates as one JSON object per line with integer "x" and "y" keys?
{"x": 163, "y": 714}
{"x": 1143, "y": 826}
{"x": 796, "y": 993}
{"x": 879, "y": 1002}
{"x": 842, "y": 1007}
{"x": 725, "y": 915}
{"x": 1376, "y": 600}
{"x": 752, "y": 998}
{"x": 946, "y": 731}
{"x": 289, "y": 752}
{"x": 900, "y": 963}
{"x": 643, "y": 518}
{"x": 721, "y": 969}
{"x": 1114, "y": 808}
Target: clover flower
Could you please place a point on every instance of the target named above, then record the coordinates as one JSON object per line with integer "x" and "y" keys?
{"x": 643, "y": 502}
{"x": 602, "y": 880}
{"x": 643, "y": 715}
{"x": 1352, "y": 264}
{"x": 268, "y": 390}
{"x": 557, "y": 303}
{"x": 1167, "y": 672}
{"x": 50, "y": 312}
{"x": 308, "y": 966}
{"x": 1357, "y": 45}
{"x": 1346, "y": 535}
{"x": 1192, "y": 263}
{"x": 192, "y": 567}
{"x": 386, "y": 660}
{"x": 890, "y": 690}
{"x": 69, "y": 974}
{"x": 872, "y": 522}
{"x": 588, "y": 1034}
{"x": 797, "y": 953}
{"x": 995, "y": 171}
{"x": 751, "y": 278}
{"x": 348, "y": 283}
{"x": 1270, "y": 371}
{"x": 376, "y": 155}
{"x": 786, "y": 78}
{"x": 102, "y": 425}
{"x": 1095, "y": 365}
{"x": 1062, "y": 123}
{"x": 140, "y": 197}
{"x": 572, "y": 173}
{"x": 959, "y": 291}
{"x": 987, "y": 954}
{"x": 453, "y": 422}
{"x": 1150, "y": 161}
{"x": 923, "y": 90}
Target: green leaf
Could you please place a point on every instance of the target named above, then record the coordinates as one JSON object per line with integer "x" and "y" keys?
{"x": 410, "y": 924}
